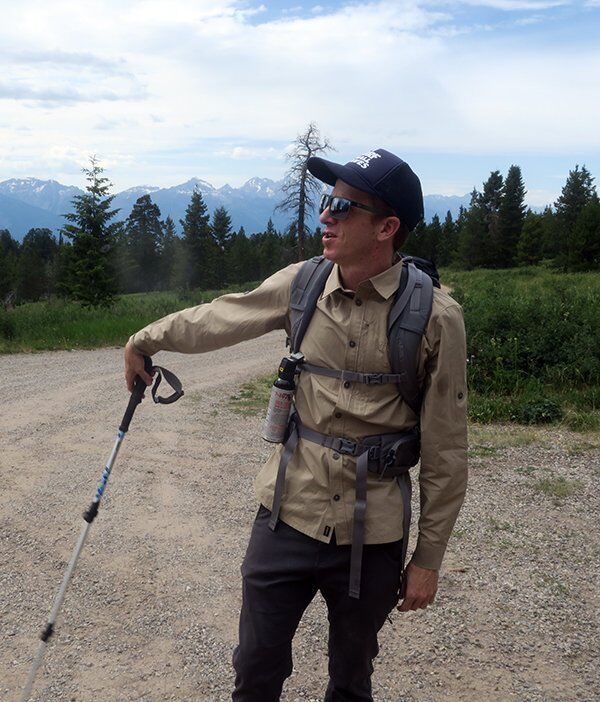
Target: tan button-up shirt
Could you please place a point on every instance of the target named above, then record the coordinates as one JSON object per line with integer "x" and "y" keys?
{"x": 349, "y": 331}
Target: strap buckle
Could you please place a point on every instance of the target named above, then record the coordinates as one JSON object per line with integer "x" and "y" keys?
{"x": 345, "y": 446}
{"x": 374, "y": 379}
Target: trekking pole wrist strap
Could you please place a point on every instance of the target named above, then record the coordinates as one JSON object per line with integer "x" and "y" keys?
{"x": 172, "y": 380}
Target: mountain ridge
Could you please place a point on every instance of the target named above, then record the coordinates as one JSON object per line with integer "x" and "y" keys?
{"x": 32, "y": 202}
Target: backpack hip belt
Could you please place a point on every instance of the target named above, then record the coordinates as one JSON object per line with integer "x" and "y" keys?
{"x": 385, "y": 455}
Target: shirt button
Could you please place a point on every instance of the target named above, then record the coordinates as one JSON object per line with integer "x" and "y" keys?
{"x": 352, "y": 344}
{"x": 336, "y": 498}
{"x": 338, "y": 415}
{"x": 347, "y": 384}
{"x": 335, "y": 456}
{"x": 358, "y": 302}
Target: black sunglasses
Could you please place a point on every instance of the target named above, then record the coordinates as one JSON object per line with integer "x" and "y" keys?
{"x": 339, "y": 207}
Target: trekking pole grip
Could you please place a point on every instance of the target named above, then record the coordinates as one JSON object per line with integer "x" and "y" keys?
{"x": 136, "y": 396}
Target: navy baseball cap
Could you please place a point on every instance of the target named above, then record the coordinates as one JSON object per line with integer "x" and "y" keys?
{"x": 379, "y": 173}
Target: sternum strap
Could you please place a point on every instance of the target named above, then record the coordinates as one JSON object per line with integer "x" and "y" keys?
{"x": 354, "y": 376}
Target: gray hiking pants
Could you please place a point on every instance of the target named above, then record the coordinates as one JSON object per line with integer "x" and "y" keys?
{"x": 282, "y": 572}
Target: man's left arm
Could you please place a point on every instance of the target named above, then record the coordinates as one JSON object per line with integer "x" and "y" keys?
{"x": 443, "y": 474}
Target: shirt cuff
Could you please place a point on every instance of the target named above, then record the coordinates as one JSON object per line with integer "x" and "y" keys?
{"x": 138, "y": 346}
{"x": 426, "y": 555}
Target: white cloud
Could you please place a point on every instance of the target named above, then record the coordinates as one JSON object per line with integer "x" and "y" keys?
{"x": 245, "y": 152}
{"x": 199, "y": 80}
{"x": 508, "y": 5}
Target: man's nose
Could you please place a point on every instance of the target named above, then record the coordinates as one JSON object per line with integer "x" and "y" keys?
{"x": 325, "y": 216}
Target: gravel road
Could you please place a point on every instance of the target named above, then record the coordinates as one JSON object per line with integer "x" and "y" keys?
{"x": 151, "y": 613}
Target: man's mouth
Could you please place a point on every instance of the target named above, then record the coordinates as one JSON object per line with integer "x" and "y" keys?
{"x": 328, "y": 235}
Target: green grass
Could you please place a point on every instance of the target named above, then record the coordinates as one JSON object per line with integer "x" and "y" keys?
{"x": 496, "y": 525}
{"x": 531, "y": 340}
{"x": 60, "y": 324}
{"x": 532, "y": 345}
{"x": 489, "y": 441}
{"x": 556, "y": 487}
{"x": 253, "y": 396}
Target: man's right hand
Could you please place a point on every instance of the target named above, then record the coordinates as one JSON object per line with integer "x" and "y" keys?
{"x": 134, "y": 366}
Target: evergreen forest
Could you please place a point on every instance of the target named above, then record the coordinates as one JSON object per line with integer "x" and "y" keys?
{"x": 97, "y": 257}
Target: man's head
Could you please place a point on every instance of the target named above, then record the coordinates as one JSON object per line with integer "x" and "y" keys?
{"x": 381, "y": 201}
{"x": 381, "y": 174}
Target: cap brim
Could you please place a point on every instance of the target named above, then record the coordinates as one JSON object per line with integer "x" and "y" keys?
{"x": 329, "y": 172}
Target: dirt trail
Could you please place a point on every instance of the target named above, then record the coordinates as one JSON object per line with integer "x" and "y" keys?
{"x": 151, "y": 613}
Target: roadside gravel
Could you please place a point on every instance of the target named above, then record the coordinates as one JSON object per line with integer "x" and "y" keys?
{"x": 151, "y": 613}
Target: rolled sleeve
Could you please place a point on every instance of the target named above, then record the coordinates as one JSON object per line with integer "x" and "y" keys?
{"x": 443, "y": 473}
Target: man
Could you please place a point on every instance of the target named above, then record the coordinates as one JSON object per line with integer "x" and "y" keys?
{"x": 308, "y": 533}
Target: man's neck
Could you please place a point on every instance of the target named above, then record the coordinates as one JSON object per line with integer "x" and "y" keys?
{"x": 353, "y": 275}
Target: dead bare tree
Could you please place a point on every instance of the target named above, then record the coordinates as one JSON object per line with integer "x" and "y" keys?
{"x": 301, "y": 187}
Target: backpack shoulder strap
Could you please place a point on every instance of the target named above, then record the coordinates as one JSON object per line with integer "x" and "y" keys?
{"x": 407, "y": 321}
{"x": 306, "y": 289}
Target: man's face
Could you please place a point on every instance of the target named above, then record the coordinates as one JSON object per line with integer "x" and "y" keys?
{"x": 354, "y": 239}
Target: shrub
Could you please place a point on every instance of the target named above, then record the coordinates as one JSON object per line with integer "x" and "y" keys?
{"x": 7, "y": 325}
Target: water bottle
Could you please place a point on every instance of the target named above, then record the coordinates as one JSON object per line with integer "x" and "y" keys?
{"x": 280, "y": 402}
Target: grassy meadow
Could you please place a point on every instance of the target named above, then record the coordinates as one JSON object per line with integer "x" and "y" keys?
{"x": 60, "y": 324}
{"x": 533, "y": 339}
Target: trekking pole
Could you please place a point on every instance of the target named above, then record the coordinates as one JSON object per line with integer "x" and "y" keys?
{"x": 90, "y": 514}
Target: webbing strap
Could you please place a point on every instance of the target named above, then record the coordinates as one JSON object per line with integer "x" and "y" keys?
{"x": 358, "y": 524}
{"x": 404, "y": 297}
{"x": 172, "y": 380}
{"x": 288, "y": 451}
{"x": 353, "y": 376}
{"x": 405, "y": 485}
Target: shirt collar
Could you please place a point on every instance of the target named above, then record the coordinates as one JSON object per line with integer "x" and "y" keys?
{"x": 385, "y": 283}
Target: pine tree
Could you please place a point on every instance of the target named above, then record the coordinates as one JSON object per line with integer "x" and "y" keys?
{"x": 242, "y": 259}
{"x": 550, "y": 235}
{"x": 314, "y": 243}
{"x": 92, "y": 278}
{"x": 578, "y": 190}
{"x": 221, "y": 232}
{"x": 448, "y": 241}
{"x": 289, "y": 245}
{"x": 270, "y": 248}
{"x": 530, "y": 245}
{"x": 417, "y": 242}
{"x": 143, "y": 230}
{"x": 34, "y": 268}
{"x": 491, "y": 198}
{"x": 9, "y": 252}
{"x": 167, "y": 254}
{"x": 512, "y": 217}
{"x": 301, "y": 187}
{"x": 200, "y": 245}
{"x": 472, "y": 234}
{"x": 434, "y": 237}
{"x": 583, "y": 251}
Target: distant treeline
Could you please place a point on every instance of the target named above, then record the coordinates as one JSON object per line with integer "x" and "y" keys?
{"x": 97, "y": 257}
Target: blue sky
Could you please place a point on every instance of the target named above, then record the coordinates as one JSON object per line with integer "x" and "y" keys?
{"x": 163, "y": 91}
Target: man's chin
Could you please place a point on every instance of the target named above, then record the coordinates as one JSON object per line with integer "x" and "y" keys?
{"x": 329, "y": 251}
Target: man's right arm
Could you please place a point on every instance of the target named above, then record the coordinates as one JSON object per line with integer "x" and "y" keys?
{"x": 225, "y": 321}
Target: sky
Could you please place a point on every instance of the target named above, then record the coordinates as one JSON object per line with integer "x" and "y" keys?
{"x": 218, "y": 89}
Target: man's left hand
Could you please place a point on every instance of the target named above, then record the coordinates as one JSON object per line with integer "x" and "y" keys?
{"x": 421, "y": 586}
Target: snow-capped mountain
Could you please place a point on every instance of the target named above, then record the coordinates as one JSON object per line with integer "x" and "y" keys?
{"x": 48, "y": 195}
{"x": 30, "y": 202}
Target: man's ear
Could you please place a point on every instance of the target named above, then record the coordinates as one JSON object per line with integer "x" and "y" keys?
{"x": 388, "y": 228}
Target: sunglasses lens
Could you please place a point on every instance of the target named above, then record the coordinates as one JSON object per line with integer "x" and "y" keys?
{"x": 323, "y": 203}
{"x": 339, "y": 207}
